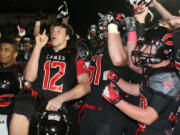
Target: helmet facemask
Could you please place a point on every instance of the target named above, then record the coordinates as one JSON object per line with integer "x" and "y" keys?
{"x": 155, "y": 49}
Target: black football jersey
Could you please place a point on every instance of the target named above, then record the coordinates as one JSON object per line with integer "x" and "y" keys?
{"x": 99, "y": 67}
{"x": 57, "y": 71}
{"x": 160, "y": 90}
{"x": 9, "y": 86}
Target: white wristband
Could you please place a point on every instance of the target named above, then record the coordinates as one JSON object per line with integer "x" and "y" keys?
{"x": 26, "y": 83}
{"x": 113, "y": 28}
{"x": 38, "y": 23}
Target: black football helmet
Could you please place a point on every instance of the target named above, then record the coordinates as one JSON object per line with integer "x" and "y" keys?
{"x": 158, "y": 46}
{"x": 54, "y": 123}
{"x": 83, "y": 50}
{"x": 143, "y": 3}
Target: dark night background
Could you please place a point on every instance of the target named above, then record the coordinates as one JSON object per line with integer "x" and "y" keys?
{"x": 82, "y": 12}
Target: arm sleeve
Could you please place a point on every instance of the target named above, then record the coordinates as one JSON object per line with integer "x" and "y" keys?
{"x": 159, "y": 102}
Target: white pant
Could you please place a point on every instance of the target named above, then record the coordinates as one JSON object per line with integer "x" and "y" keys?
{"x": 3, "y": 125}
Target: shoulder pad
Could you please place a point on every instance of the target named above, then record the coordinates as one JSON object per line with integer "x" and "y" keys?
{"x": 167, "y": 83}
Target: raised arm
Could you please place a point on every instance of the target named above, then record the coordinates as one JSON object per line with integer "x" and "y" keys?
{"x": 37, "y": 28}
{"x": 162, "y": 11}
{"x": 132, "y": 37}
{"x": 116, "y": 49}
{"x": 31, "y": 69}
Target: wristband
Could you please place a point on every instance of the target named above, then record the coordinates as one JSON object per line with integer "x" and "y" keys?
{"x": 26, "y": 83}
{"x": 132, "y": 36}
{"x": 113, "y": 28}
{"x": 38, "y": 23}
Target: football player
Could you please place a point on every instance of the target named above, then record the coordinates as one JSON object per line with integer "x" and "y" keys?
{"x": 158, "y": 91}
{"x": 56, "y": 76}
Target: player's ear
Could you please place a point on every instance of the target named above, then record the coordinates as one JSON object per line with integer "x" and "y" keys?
{"x": 15, "y": 55}
{"x": 67, "y": 37}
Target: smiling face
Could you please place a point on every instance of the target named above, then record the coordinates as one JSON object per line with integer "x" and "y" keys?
{"x": 59, "y": 37}
{"x": 8, "y": 54}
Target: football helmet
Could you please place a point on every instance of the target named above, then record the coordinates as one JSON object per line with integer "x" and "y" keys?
{"x": 54, "y": 123}
{"x": 137, "y": 2}
{"x": 158, "y": 46}
{"x": 139, "y": 5}
{"x": 83, "y": 49}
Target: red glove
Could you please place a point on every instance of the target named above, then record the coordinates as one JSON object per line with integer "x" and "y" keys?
{"x": 112, "y": 76}
{"x": 111, "y": 94}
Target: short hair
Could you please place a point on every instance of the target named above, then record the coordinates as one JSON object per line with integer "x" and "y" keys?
{"x": 69, "y": 29}
{"x": 17, "y": 36}
{"x": 10, "y": 41}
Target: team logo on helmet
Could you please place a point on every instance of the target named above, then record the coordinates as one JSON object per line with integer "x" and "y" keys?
{"x": 158, "y": 46}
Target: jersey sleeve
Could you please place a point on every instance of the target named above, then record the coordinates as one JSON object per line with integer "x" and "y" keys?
{"x": 81, "y": 67}
{"x": 159, "y": 102}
